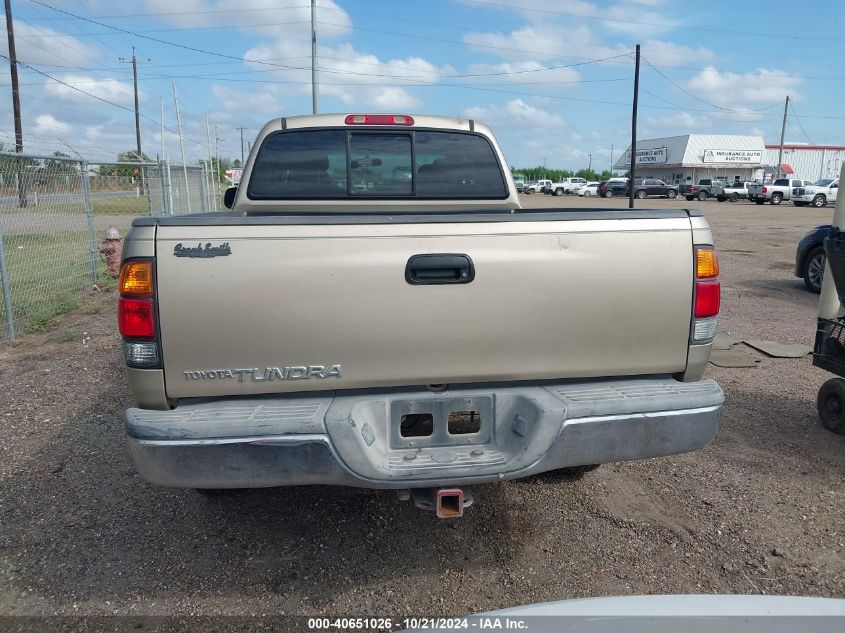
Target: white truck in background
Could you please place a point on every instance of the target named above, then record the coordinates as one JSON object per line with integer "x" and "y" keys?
{"x": 775, "y": 192}
{"x": 818, "y": 194}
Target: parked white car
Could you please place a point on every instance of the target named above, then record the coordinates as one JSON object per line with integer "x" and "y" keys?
{"x": 590, "y": 189}
{"x": 818, "y": 194}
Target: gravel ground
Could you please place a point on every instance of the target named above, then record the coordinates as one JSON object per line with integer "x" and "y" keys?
{"x": 761, "y": 510}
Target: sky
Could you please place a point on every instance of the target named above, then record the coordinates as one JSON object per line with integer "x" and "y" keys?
{"x": 553, "y": 78}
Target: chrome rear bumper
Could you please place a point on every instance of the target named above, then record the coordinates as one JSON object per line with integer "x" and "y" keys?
{"x": 354, "y": 439}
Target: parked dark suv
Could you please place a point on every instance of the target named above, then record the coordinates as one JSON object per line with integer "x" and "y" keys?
{"x": 646, "y": 187}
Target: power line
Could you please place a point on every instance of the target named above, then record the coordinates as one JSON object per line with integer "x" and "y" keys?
{"x": 667, "y": 25}
{"x": 92, "y": 95}
{"x": 798, "y": 121}
{"x": 599, "y": 18}
{"x": 342, "y": 72}
{"x": 682, "y": 89}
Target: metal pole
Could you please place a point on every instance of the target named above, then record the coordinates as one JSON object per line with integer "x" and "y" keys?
{"x": 168, "y": 198}
{"x": 16, "y": 102}
{"x": 162, "y": 129}
{"x": 590, "y": 165}
{"x": 829, "y": 299}
{"x": 89, "y": 215}
{"x": 210, "y": 163}
{"x": 7, "y": 293}
{"x": 242, "y": 146}
{"x": 634, "y": 129}
{"x": 315, "y": 82}
{"x": 206, "y": 204}
{"x": 611, "y": 159}
{"x": 182, "y": 148}
{"x": 782, "y": 133}
{"x": 162, "y": 174}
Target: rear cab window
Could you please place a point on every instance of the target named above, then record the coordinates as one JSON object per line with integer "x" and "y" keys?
{"x": 366, "y": 163}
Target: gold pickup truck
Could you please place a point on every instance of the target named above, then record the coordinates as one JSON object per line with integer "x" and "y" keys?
{"x": 376, "y": 310}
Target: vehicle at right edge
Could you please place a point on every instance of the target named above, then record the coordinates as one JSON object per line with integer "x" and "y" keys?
{"x": 817, "y": 195}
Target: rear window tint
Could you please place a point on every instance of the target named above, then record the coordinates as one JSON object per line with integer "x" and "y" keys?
{"x": 313, "y": 164}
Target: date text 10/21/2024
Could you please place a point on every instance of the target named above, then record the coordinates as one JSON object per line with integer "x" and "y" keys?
{"x": 478, "y": 623}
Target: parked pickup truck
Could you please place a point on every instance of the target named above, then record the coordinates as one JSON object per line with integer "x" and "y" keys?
{"x": 818, "y": 194}
{"x": 540, "y": 186}
{"x": 567, "y": 185}
{"x": 733, "y": 192}
{"x": 706, "y": 188}
{"x": 421, "y": 335}
{"x": 774, "y": 192}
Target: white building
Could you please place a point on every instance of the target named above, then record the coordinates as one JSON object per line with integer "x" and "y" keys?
{"x": 688, "y": 158}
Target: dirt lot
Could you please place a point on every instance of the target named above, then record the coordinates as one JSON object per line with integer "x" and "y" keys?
{"x": 761, "y": 510}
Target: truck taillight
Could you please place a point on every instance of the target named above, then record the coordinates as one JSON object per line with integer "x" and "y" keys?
{"x": 764, "y": 189}
{"x": 136, "y": 318}
{"x": 707, "y": 295}
{"x": 378, "y": 119}
{"x": 136, "y": 314}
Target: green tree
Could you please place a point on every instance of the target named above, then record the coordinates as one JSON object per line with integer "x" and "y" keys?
{"x": 118, "y": 169}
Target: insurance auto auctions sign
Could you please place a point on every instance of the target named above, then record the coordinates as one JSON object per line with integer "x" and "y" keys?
{"x": 753, "y": 156}
{"x": 648, "y": 156}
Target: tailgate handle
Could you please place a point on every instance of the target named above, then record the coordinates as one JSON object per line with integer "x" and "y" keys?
{"x": 439, "y": 269}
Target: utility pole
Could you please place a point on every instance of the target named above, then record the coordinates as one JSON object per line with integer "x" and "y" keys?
{"x": 242, "y": 128}
{"x": 217, "y": 140}
{"x": 590, "y": 165}
{"x": 16, "y": 101}
{"x": 782, "y": 133}
{"x": 182, "y": 148}
{"x": 134, "y": 62}
{"x": 611, "y": 159}
{"x": 315, "y": 84}
{"x": 634, "y": 129}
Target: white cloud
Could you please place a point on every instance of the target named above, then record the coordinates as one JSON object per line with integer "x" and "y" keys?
{"x": 662, "y": 53}
{"x": 540, "y": 42}
{"x": 40, "y": 45}
{"x": 109, "y": 89}
{"x": 231, "y": 99}
{"x": 516, "y": 114}
{"x": 682, "y": 120}
{"x": 393, "y": 99}
{"x": 47, "y": 124}
{"x": 521, "y": 71}
{"x": 264, "y": 17}
{"x": 742, "y": 89}
{"x": 354, "y": 77}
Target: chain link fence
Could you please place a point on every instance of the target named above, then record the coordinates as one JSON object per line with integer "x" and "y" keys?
{"x": 54, "y": 215}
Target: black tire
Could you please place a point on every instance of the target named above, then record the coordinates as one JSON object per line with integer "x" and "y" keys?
{"x": 641, "y": 194}
{"x": 608, "y": 193}
{"x": 759, "y": 201}
{"x": 702, "y": 196}
{"x": 527, "y": 192}
{"x": 671, "y": 194}
{"x": 777, "y": 198}
{"x": 831, "y": 405}
{"x": 721, "y": 197}
{"x": 689, "y": 198}
{"x": 813, "y": 269}
{"x": 733, "y": 197}
{"x": 819, "y": 201}
{"x": 587, "y": 194}
{"x": 558, "y": 191}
